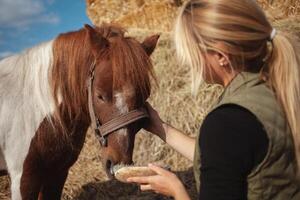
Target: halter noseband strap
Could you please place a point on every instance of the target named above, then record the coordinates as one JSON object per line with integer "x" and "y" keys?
{"x": 119, "y": 122}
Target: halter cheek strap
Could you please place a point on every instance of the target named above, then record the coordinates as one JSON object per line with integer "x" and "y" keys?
{"x": 95, "y": 123}
{"x": 103, "y": 130}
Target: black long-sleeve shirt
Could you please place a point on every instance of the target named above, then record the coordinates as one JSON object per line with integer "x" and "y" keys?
{"x": 232, "y": 142}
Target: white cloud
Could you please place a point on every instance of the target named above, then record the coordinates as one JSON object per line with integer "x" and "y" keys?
{"x": 23, "y": 13}
{"x": 6, "y": 54}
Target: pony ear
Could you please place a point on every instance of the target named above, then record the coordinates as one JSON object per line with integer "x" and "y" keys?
{"x": 149, "y": 44}
{"x": 96, "y": 40}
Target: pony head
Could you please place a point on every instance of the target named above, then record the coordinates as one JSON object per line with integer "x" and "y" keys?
{"x": 121, "y": 84}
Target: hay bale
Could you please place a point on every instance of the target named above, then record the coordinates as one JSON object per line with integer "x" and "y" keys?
{"x": 4, "y": 188}
{"x": 160, "y": 14}
{"x": 291, "y": 24}
{"x": 280, "y": 9}
{"x": 150, "y": 14}
{"x": 146, "y": 17}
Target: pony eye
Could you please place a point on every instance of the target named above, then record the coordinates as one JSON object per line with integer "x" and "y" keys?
{"x": 100, "y": 97}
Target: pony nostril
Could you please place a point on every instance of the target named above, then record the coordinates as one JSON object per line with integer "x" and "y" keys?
{"x": 130, "y": 162}
{"x": 109, "y": 167}
{"x": 108, "y": 164}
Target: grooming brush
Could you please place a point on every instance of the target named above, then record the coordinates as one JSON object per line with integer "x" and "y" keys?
{"x": 123, "y": 172}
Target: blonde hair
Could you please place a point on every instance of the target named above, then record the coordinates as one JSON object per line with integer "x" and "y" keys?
{"x": 244, "y": 31}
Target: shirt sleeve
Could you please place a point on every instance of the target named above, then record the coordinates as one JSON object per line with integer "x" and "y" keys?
{"x": 232, "y": 142}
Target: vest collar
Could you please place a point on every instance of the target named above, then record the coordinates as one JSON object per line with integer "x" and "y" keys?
{"x": 241, "y": 80}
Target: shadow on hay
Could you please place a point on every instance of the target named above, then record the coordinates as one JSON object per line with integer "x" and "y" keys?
{"x": 116, "y": 190}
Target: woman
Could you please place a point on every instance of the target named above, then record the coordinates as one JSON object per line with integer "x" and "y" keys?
{"x": 249, "y": 143}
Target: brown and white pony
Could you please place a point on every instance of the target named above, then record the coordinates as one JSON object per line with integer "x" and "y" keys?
{"x": 44, "y": 112}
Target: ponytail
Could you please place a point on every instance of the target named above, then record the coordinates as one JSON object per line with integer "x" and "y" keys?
{"x": 284, "y": 77}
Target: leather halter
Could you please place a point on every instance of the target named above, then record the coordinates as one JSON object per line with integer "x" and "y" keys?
{"x": 103, "y": 130}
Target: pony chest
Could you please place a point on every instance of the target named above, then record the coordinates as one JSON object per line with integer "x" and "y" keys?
{"x": 55, "y": 149}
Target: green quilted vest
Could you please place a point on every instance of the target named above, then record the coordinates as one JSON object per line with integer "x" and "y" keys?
{"x": 275, "y": 177}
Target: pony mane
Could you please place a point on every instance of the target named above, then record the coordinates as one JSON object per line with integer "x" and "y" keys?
{"x": 130, "y": 62}
{"x": 73, "y": 58}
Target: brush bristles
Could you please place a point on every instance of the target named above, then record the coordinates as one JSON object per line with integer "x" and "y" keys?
{"x": 120, "y": 166}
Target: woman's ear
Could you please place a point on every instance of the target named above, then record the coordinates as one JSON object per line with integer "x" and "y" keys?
{"x": 223, "y": 60}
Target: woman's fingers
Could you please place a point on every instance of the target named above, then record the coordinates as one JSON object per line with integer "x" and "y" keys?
{"x": 165, "y": 182}
{"x": 158, "y": 170}
{"x": 146, "y": 187}
{"x": 140, "y": 180}
{"x": 148, "y": 106}
{"x": 154, "y": 124}
{"x": 151, "y": 110}
{"x": 145, "y": 182}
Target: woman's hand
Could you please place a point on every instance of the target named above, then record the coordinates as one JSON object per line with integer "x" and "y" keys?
{"x": 165, "y": 182}
{"x": 155, "y": 124}
{"x": 175, "y": 138}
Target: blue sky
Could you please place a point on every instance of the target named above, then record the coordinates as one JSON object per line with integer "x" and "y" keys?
{"x": 25, "y": 23}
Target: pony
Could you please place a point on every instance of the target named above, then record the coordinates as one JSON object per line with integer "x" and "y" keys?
{"x": 44, "y": 104}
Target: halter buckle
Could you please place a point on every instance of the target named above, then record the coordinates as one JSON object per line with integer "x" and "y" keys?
{"x": 101, "y": 138}
{"x": 103, "y": 141}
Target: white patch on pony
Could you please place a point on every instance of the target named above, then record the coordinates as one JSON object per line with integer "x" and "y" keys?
{"x": 121, "y": 103}
{"x": 121, "y": 134}
{"x": 25, "y": 100}
{"x": 122, "y": 108}
{"x": 121, "y": 99}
